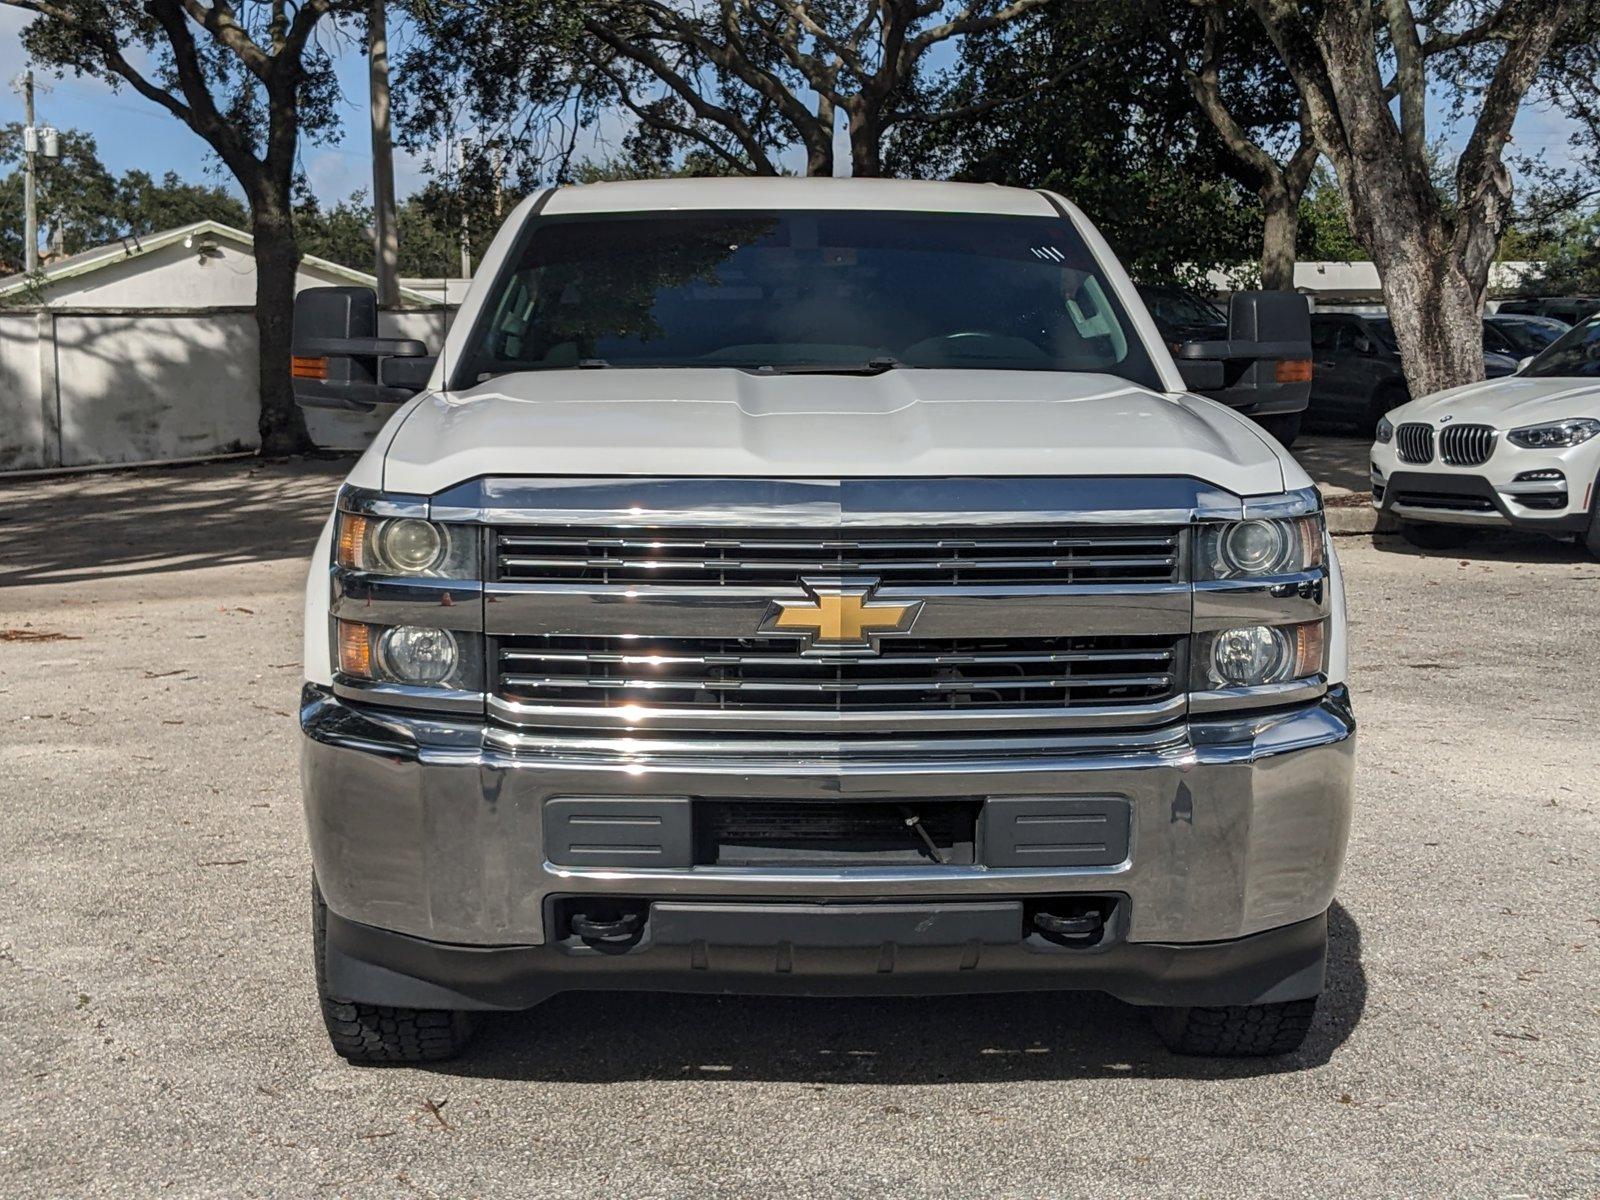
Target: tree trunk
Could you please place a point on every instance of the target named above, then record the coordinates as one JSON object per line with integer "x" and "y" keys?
{"x": 1282, "y": 225}
{"x": 1437, "y": 314}
{"x": 819, "y": 159}
{"x": 283, "y": 425}
{"x": 866, "y": 145}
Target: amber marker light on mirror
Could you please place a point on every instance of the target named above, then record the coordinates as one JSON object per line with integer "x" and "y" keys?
{"x": 1292, "y": 370}
{"x": 308, "y": 368}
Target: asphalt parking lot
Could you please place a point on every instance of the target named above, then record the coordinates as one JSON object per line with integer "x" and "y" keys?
{"x": 159, "y": 1033}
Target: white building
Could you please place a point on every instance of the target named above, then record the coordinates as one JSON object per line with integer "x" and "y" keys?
{"x": 145, "y": 351}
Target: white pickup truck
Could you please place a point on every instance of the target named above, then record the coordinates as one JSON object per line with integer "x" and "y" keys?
{"x": 821, "y": 587}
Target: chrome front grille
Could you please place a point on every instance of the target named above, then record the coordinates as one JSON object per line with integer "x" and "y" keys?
{"x": 782, "y": 558}
{"x": 1414, "y": 443}
{"x": 1466, "y": 445}
{"x": 653, "y": 678}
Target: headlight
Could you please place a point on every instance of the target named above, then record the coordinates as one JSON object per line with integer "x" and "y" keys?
{"x": 1385, "y": 430}
{"x": 417, "y": 655}
{"x": 1556, "y": 435}
{"x": 1258, "y": 655}
{"x": 407, "y": 546}
{"x": 1245, "y": 549}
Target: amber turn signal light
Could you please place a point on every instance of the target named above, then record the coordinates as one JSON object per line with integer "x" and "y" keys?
{"x": 352, "y": 537}
{"x": 1310, "y": 648}
{"x": 355, "y": 649}
{"x": 308, "y": 368}
{"x": 1292, "y": 370}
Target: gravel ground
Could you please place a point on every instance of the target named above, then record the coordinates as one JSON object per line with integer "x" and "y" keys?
{"x": 159, "y": 1034}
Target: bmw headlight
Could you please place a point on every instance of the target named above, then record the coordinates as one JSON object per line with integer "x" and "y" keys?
{"x": 1555, "y": 435}
{"x": 1385, "y": 430}
{"x": 406, "y": 546}
{"x": 1250, "y": 549}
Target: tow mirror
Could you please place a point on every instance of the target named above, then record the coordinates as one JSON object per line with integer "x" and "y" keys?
{"x": 339, "y": 361}
{"x": 1270, "y": 331}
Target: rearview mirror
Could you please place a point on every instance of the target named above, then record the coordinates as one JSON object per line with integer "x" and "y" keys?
{"x": 339, "y": 361}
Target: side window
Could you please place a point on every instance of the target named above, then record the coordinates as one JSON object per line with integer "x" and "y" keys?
{"x": 1323, "y": 333}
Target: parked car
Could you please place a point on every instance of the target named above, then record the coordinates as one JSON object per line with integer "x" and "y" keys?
{"x": 1571, "y": 309}
{"x": 1272, "y": 389}
{"x": 1358, "y": 376}
{"x": 813, "y": 586}
{"x": 1521, "y": 453}
{"x": 1520, "y": 337}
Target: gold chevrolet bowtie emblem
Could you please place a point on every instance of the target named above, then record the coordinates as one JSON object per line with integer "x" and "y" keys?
{"x": 840, "y": 617}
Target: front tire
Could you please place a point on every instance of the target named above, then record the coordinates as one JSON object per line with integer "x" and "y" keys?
{"x": 1237, "y": 1030}
{"x": 1426, "y": 536}
{"x": 381, "y": 1033}
{"x": 1283, "y": 426}
{"x": 1591, "y": 539}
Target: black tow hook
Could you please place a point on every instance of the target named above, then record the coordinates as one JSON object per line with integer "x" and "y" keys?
{"x": 1082, "y": 927}
{"x": 608, "y": 931}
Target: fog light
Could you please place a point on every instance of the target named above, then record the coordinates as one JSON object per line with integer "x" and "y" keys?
{"x": 1251, "y": 656}
{"x": 417, "y": 654}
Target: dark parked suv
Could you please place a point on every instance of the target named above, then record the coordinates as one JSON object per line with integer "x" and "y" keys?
{"x": 1358, "y": 376}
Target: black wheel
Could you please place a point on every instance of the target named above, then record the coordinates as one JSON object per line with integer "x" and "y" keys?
{"x": 1283, "y": 426}
{"x": 1426, "y": 536}
{"x": 378, "y": 1033}
{"x": 1591, "y": 539}
{"x": 1237, "y": 1030}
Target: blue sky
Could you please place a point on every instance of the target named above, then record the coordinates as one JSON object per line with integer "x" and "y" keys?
{"x": 132, "y": 132}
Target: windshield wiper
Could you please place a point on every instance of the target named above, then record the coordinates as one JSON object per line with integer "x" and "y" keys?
{"x": 871, "y": 366}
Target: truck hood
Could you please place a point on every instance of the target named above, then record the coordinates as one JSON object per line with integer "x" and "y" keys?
{"x": 1507, "y": 403}
{"x": 904, "y": 422}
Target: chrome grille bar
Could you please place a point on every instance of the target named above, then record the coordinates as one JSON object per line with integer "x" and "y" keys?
{"x": 667, "y": 682}
{"x": 963, "y": 557}
{"x": 1414, "y": 443}
{"x": 1466, "y": 445}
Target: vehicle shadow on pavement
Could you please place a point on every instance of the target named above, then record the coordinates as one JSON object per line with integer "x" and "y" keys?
{"x": 618, "y": 1037}
{"x": 1503, "y": 546}
{"x": 75, "y": 528}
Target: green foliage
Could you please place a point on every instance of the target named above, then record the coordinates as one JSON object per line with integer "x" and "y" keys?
{"x": 86, "y": 206}
{"x": 1325, "y": 234}
{"x": 1116, "y": 131}
{"x": 1570, "y": 253}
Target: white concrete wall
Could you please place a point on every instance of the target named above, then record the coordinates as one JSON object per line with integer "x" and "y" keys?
{"x": 84, "y": 388}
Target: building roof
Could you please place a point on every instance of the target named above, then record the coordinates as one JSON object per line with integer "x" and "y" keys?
{"x": 86, "y": 261}
{"x": 784, "y": 191}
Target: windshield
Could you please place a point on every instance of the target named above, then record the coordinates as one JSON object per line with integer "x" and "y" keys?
{"x": 855, "y": 292}
{"x": 1575, "y": 353}
{"x": 1171, "y": 307}
{"x": 1530, "y": 336}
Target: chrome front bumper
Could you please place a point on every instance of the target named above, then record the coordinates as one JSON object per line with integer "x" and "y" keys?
{"x": 433, "y": 828}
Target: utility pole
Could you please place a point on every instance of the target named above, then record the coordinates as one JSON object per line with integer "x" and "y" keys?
{"x": 466, "y": 242}
{"x": 385, "y": 235}
{"x": 30, "y": 203}
{"x": 37, "y": 142}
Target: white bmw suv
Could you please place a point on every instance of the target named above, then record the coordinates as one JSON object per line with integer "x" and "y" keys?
{"x": 1521, "y": 452}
